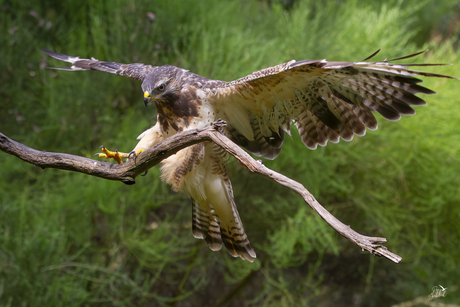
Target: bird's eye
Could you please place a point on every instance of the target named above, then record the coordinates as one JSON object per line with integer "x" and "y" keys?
{"x": 161, "y": 88}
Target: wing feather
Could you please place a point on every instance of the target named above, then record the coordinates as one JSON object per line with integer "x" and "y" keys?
{"x": 343, "y": 112}
{"x": 326, "y": 100}
{"x": 137, "y": 71}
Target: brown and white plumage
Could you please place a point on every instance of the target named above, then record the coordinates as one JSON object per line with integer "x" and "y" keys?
{"x": 325, "y": 100}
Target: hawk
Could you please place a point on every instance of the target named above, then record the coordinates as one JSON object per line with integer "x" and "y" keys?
{"x": 326, "y": 101}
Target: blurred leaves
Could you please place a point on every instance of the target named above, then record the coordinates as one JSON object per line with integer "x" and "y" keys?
{"x": 72, "y": 240}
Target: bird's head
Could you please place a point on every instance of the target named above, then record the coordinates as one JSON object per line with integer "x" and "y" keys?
{"x": 160, "y": 85}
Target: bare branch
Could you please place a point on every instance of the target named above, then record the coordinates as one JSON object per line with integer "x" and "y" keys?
{"x": 127, "y": 172}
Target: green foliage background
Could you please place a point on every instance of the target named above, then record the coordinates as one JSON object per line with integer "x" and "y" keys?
{"x": 68, "y": 239}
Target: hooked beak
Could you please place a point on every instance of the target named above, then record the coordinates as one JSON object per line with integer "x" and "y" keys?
{"x": 147, "y": 98}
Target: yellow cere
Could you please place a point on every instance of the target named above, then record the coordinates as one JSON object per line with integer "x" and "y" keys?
{"x": 146, "y": 94}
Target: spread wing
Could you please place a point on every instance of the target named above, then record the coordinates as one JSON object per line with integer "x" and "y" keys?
{"x": 136, "y": 71}
{"x": 326, "y": 101}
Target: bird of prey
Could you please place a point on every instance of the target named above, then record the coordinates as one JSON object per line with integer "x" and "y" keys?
{"x": 325, "y": 100}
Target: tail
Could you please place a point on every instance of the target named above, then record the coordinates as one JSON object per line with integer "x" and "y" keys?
{"x": 220, "y": 223}
{"x": 235, "y": 239}
{"x": 206, "y": 226}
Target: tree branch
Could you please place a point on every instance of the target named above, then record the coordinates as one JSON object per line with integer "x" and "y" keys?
{"x": 127, "y": 172}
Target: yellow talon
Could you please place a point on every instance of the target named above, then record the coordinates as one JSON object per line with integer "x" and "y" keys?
{"x": 116, "y": 155}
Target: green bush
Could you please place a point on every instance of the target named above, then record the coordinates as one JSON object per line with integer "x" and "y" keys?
{"x": 71, "y": 240}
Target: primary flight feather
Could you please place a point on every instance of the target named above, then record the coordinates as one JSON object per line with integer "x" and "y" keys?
{"x": 325, "y": 100}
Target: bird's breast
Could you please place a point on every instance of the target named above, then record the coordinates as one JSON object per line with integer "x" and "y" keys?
{"x": 189, "y": 109}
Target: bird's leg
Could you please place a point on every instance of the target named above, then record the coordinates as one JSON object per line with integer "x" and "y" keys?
{"x": 116, "y": 155}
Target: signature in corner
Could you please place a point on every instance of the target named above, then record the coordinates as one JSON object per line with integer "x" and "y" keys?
{"x": 437, "y": 292}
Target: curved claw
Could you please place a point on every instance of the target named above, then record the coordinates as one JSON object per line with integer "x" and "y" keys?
{"x": 132, "y": 154}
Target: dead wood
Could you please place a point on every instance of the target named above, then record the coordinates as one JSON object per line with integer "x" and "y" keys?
{"x": 127, "y": 172}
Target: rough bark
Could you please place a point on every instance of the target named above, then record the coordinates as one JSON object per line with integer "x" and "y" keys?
{"x": 127, "y": 172}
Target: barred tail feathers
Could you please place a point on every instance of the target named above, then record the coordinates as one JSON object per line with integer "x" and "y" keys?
{"x": 217, "y": 220}
{"x": 206, "y": 226}
{"x": 235, "y": 238}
